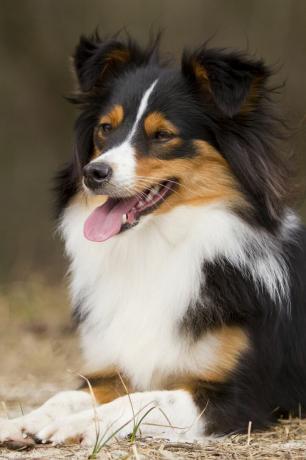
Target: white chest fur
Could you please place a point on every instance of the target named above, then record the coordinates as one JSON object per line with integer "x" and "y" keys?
{"x": 137, "y": 286}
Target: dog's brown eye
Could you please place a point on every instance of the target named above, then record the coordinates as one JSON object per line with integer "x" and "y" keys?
{"x": 162, "y": 136}
{"x": 104, "y": 128}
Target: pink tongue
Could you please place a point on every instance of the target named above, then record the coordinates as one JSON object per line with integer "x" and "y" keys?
{"x": 106, "y": 220}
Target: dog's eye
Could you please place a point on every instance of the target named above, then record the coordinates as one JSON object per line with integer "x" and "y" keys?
{"x": 104, "y": 128}
{"x": 162, "y": 136}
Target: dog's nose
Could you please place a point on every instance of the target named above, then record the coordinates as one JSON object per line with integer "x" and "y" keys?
{"x": 96, "y": 174}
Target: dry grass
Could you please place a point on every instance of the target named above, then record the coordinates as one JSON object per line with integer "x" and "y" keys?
{"x": 38, "y": 346}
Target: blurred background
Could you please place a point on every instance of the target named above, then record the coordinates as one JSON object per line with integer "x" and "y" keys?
{"x": 37, "y": 38}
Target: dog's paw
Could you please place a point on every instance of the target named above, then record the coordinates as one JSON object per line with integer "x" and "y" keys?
{"x": 87, "y": 428}
{"x": 9, "y": 431}
{"x": 68, "y": 430}
{"x": 57, "y": 407}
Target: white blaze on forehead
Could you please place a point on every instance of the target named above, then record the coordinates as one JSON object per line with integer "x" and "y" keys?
{"x": 141, "y": 110}
{"x": 122, "y": 157}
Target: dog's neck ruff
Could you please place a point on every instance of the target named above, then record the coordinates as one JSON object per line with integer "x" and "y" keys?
{"x": 136, "y": 288}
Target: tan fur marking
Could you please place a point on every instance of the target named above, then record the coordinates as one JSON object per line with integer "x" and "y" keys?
{"x": 96, "y": 152}
{"x": 172, "y": 143}
{"x": 202, "y": 76}
{"x": 107, "y": 385}
{"x": 252, "y": 99}
{"x": 229, "y": 344}
{"x": 119, "y": 56}
{"x": 203, "y": 179}
{"x": 232, "y": 342}
{"x": 114, "y": 117}
{"x": 199, "y": 71}
{"x": 156, "y": 121}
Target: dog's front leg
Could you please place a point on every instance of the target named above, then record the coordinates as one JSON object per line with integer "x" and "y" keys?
{"x": 161, "y": 414}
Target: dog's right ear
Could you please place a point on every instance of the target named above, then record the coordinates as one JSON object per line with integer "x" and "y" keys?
{"x": 233, "y": 82}
{"x": 96, "y": 60}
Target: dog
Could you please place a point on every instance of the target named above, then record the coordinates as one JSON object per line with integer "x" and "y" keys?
{"x": 187, "y": 262}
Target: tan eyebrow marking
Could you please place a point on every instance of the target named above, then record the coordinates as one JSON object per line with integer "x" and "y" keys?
{"x": 156, "y": 121}
{"x": 114, "y": 117}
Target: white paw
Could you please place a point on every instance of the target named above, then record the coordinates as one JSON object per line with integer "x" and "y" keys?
{"x": 58, "y": 406}
{"x": 66, "y": 430}
{"x": 9, "y": 431}
{"x": 86, "y": 428}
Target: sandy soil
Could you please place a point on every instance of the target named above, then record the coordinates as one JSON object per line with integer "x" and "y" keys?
{"x": 39, "y": 356}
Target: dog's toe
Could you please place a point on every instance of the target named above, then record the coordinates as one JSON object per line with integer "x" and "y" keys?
{"x": 63, "y": 431}
{"x": 10, "y": 431}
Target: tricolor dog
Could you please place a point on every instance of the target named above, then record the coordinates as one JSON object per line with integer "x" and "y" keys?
{"x": 187, "y": 264}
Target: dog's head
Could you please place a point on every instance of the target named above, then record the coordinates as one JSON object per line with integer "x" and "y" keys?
{"x": 153, "y": 136}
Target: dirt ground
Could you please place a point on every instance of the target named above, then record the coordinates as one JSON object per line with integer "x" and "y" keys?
{"x": 39, "y": 356}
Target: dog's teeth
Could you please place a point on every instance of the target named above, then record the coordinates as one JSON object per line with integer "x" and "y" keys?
{"x": 149, "y": 196}
{"x": 124, "y": 218}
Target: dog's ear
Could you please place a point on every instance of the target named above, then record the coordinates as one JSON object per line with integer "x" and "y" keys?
{"x": 233, "y": 82}
{"x": 96, "y": 60}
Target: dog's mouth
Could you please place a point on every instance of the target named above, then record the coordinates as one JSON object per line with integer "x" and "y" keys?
{"x": 120, "y": 214}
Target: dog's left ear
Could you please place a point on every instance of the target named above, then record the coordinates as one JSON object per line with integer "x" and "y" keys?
{"x": 97, "y": 60}
{"x": 233, "y": 82}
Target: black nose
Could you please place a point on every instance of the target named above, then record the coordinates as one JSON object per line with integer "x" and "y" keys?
{"x": 96, "y": 174}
